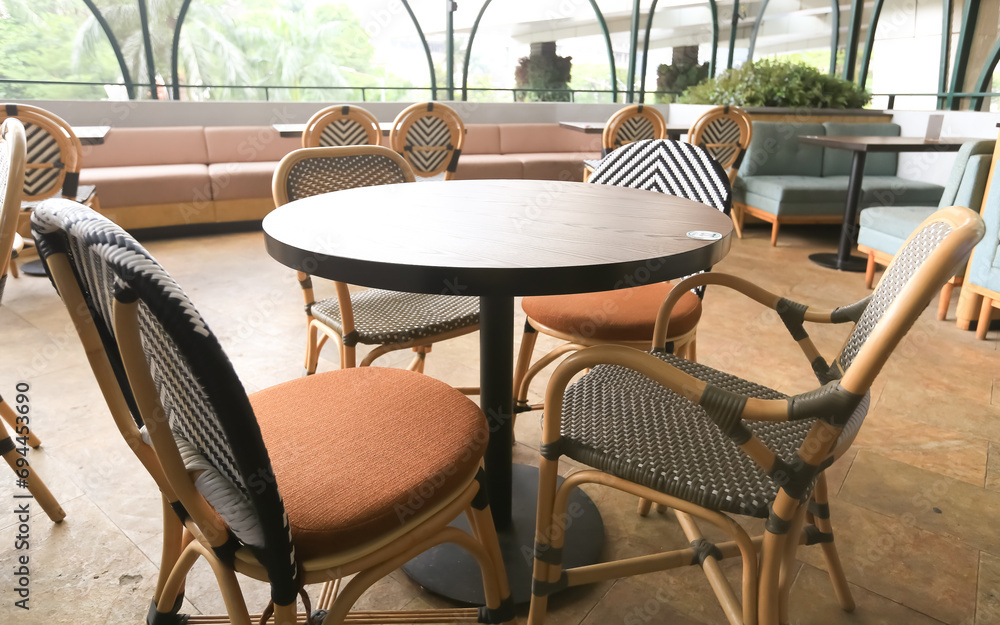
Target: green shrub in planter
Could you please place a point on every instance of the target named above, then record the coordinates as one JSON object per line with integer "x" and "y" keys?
{"x": 772, "y": 82}
{"x": 678, "y": 77}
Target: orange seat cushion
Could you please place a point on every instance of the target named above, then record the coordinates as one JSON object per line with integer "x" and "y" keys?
{"x": 358, "y": 452}
{"x": 619, "y": 315}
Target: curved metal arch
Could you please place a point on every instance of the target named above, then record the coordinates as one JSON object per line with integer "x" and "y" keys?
{"x": 756, "y": 29}
{"x": 475, "y": 27}
{"x": 427, "y": 48}
{"x": 869, "y": 43}
{"x": 733, "y": 27}
{"x": 126, "y": 77}
{"x": 645, "y": 53}
{"x": 714, "y": 9}
{"x": 985, "y": 76}
{"x": 947, "y": 7}
{"x": 633, "y": 51}
{"x": 834, "y": 35}
{"x": 175, "y": 49}
{"x": 969, "y": 14}
{"x": 147, "y": 45}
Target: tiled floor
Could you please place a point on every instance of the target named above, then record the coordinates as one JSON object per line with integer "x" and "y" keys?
{"x": 916, "y": 501}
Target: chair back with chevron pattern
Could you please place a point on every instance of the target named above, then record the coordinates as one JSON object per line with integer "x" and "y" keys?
{"x": 12, "y": 156}
{"x": 54, "y": 153}
{"x": 341, "y": 125}
{"x": 430, "y": 136}
{"x": 633, "y": 123}
{"x": 725, "y": 132}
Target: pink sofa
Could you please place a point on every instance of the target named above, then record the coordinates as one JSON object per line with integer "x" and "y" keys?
{"x": 150, "y": 177}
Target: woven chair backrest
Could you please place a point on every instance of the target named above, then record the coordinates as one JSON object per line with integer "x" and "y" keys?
{"x": 633, "y": 123}
{"x": 311, "y": 171}
{"x": 917, "y": 272}
{"x": 12, "y": 150}
{"x": 341, "y": 125}
{"x": 53, "y": 153}
{"x": 204, "y": 403}
{"x": 430, "y": 137}
{"x": 671, "y": 167}
{"x": 724, "y": 132}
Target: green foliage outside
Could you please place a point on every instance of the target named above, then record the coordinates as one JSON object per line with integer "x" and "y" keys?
{"x": 774, "y": 82}
{"x": 543, "y": 72}
{"x": 677, "y": 78}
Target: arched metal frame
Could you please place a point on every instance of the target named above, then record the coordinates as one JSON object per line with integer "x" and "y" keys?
{"x": 985, "y": 77}
{"x": 122, "y": 65}
{"x": 427, "y": 48}
{"x": 853, "y": 33}
{"x": 733, "y": 25}
{"x": 969, "y": 14}
{"x": 834, "y": 34}
{"x": 147, "y": 45}
{"x": 869, "y": 44}
{"x": 645, "y": 53}
{"x": 600, "y": 20}
{"x": 633, "y": 51}
{"x": 756, "y": 29}
{"x": 175, "y": 50}
{"x": 947, "y": 8}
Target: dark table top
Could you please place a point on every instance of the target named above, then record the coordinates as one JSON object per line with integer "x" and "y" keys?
{"x": 496, "y": 237}
{"x": 889, "y": 144}
{"x": 596, "y": 128}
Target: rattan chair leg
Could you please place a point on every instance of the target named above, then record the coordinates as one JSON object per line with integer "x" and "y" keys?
{"x": 985, "y": 314}
{"x": 546, "y": 524}
{"x": 312, "y": 347}
{"x": 788, "y": 564}
{"x": 329, "y": 594}
{"x": 20, "y": 429}
{"x": 34, "y": 484}
{"x": 644, "y": 506}
{"x": 485, "y": 533}
{"x": 833, "y": 565}
{"x": 232, "y": 595}
{"x": 285, "y": 614}
{"x": 348, "y": 357}
{"x": 528, "y": 340}
{"x": 173, "y": 545}
{"x": 736, "y": 613}
{"x": 175, "y": 577}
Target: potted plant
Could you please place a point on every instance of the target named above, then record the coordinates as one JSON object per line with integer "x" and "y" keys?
{"x": 544, "y": 72}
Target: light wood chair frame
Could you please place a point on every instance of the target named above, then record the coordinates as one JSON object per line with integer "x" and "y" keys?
{"x": 878, "y": 257}
{"x": 70, "y": 149}
{"x": 739, "y": 116}
{"x": 404, "y": 122}
{"x": 184, "y": 543}
{"x": 13, "y": 150}
{"x": 311, "y": 136}
{"x": 609, "y": 137}
{"x": 768, "y": 560}
{"x": 317, "y": 332}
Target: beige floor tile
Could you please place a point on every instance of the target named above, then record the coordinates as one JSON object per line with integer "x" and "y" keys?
{"x": 925, "y": 572}
{"x": 988, "y": 604}
{"x": 930, "y": 501}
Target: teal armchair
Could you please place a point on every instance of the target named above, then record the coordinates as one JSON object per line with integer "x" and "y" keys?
{"x": 885, "y": 228}
{"x": 983, "y": 274}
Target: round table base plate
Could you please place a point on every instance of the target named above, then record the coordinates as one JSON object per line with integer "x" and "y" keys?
{"x": 449, "y": 571}
{"x": 829, "y": 260}
{"x": 33, "y": 268}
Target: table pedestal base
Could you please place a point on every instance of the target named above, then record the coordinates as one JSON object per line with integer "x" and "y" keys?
{"x": 449, "y": 571}
{"x": 33, "y": 268}
{"x": 830, "y": 261}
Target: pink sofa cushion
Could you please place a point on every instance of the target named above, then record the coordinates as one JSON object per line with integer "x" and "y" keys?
{"x": 555, "y": 165}
{"x": 149, "y": 184}
{"x": 527, "y": 138}
{"x": 488, "y": 167}
{"x": 176, "y": 145}
{"x": 241, "y": 181}
{"x": 243, "y": 144}
{"x": 481, "y": 139}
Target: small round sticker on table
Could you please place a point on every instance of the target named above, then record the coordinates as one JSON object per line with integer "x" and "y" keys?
{"x": 704, "y": 235}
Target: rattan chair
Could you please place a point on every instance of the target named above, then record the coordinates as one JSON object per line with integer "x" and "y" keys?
{"x": 388, "y": 319}
{"x": 713, "y": 446}
{"x": 636, "y": 122}
{"x": 626, "y": 316}
{"x": 341, "y": 125}
{"x": 725, "y": 133}
{"x": 430, "y": 136}
{"x": 298, "y": 484}
{"x": 12, "y": 159}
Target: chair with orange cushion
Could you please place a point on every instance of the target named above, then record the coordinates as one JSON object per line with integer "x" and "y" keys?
{"x": 626, "y": 316}
{"x": 301, "y": 483}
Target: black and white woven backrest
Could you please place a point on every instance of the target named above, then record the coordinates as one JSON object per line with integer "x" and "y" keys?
{"x": 344, "y": 131}
{"x": 635, "y": 128}
{"x": 671, "y": 167}
{"x": 721, "y": 138}
{"x": 325, "y": 174}
{"x": 45, "y": 166}
{"x": 205, "y": 404}
{"x": 425, "y": 140}
{"x": 907, "y": 263}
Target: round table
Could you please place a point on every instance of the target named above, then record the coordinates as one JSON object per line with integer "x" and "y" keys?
{"x": 499, "y": 239}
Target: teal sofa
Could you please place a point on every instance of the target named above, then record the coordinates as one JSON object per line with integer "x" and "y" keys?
{"x": 885, "y": 228}
{"x": 783, "y": 180}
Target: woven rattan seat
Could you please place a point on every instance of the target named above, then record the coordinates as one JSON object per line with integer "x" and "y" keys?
{"x": 623, "y": 423}
{"x": 394, "y": 317}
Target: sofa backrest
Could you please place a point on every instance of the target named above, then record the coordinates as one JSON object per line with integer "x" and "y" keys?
{"x": 176, "y": 145}
{"x": 482, "y": 139}
{"x": 247, "y": 144}
{"x": 527, "y": 138}
{"x": 967, "y": 181}
{"x": 984, "y": 268}
{"x": 776, "y": 151}
{"x": 837, "y": 162}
